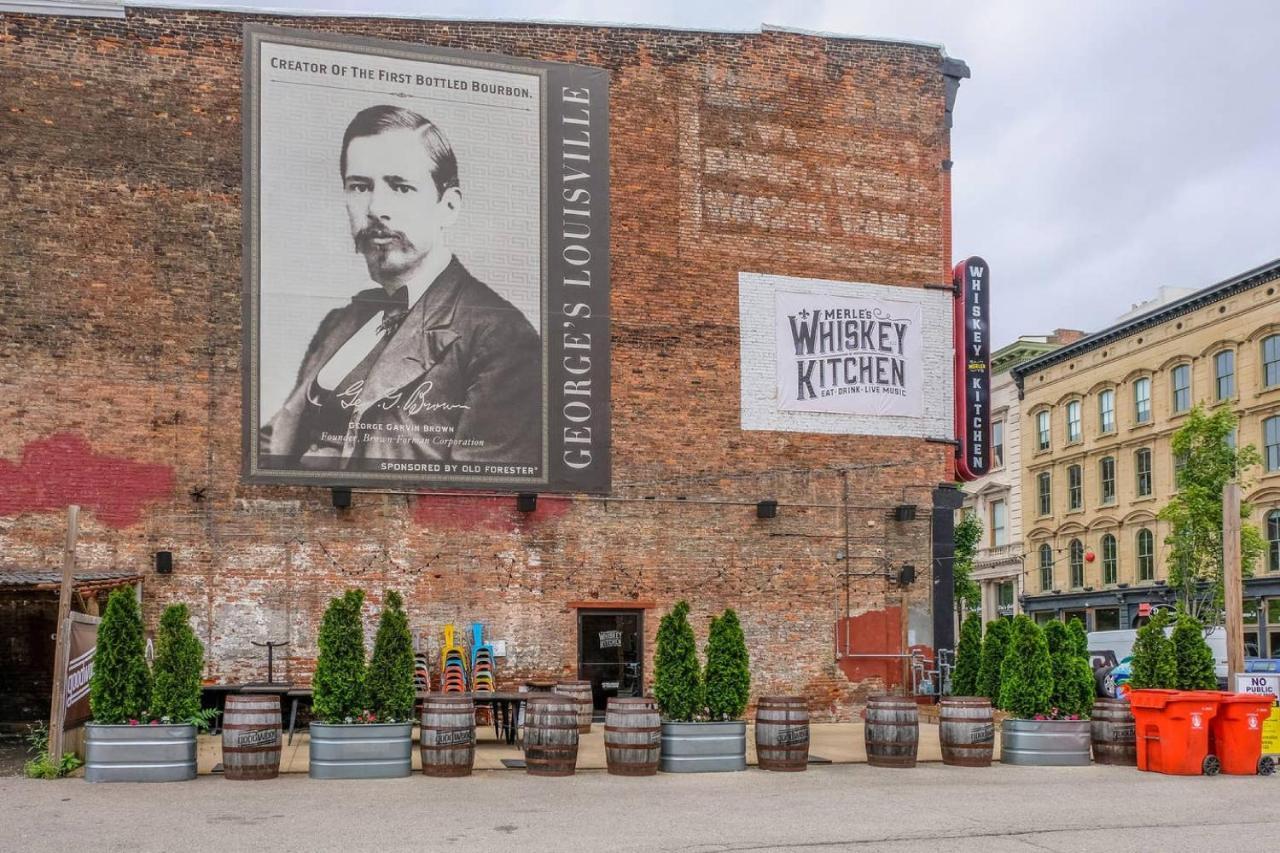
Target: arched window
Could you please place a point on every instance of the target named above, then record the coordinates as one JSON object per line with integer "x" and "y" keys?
{"x": 1107, "y": 411}
{"x": 1181, "y": 388}
{"x": 1224, "y": 374}
{"x": 1271, "y": 361}
{"x": 1073, "y": 421}
{"x": 1142, "y": 400}
{"x": 1273, "y": 541}
{"x": 1146, "y": 555}
{"x": 1075, "y": 488}
{"x": 1046, "y": 566}
{"x": 1110, "y": 569}
{"x": 1075, "y": 558}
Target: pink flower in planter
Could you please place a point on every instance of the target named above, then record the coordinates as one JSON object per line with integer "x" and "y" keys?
{"x": 133, "y": 722}
{"x": 155, "y": 722}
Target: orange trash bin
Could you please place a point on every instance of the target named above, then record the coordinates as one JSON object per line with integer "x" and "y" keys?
{"x": 1236, "y": 733}
{"x": 1172, "y": 731}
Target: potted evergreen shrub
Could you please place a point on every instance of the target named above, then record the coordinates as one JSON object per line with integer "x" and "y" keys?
{"x": 364, "y": 727}
{"x": 994, "y": 646}
{"x": 143, "y": 732}
{"x": 701, "y": 731}
{"x": 1038, "y": 732}
{"x": 964, "y": 678}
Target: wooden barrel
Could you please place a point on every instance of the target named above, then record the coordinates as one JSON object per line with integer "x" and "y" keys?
{"x": 782, "y": 733}
{"x": 1112, "y": 730}
{"x": 251, "y": 736}
{"x": 448, "y": 742}
{"x": 551, "y": 735}
{"x": 580, "y": 691}
{"x": 892, "y": 731}
{"x": 539, "y": 685}
{"x": 632, "y": 736}
{"x": 967, "y": 731}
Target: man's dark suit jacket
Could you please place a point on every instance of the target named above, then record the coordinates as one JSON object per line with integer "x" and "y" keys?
{"x": 464, "y": 367}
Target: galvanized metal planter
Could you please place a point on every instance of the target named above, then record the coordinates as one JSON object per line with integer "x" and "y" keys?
{"x": 1045, "y": 743}
{"x": 361, "y": 751}
{"x": 704, "y": 747}
{"x": 139, "y": 753}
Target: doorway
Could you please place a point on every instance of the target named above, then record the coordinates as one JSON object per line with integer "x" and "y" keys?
{"x": 611, "y": 653}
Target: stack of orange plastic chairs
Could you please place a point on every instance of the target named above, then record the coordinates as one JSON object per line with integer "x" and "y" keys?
{"x": 453, "y": 663}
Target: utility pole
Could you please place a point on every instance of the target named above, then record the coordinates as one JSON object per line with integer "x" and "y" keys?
{"x": 1232, "y": 584}
{"x": 62, "y": 639}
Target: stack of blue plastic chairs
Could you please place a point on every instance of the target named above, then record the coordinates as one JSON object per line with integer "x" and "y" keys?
{"x": 482, "y": 667}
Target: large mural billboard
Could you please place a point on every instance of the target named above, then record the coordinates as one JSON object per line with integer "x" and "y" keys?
{"x": 426, "y": 267}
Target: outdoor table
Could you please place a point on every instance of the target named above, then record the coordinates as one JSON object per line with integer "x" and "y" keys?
{"x": 506, "y": 710}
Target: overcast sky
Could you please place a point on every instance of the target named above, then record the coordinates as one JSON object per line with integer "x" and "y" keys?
{"x": 1101, "y": 148}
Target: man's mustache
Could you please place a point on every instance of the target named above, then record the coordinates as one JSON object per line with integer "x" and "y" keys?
{"x": 376, "y": 231}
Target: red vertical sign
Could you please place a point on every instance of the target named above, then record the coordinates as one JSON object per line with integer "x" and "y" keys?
{"x": 973, "y": 367}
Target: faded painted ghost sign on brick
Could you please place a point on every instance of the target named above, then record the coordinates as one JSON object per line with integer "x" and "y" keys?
{"x": 852, "y": 355}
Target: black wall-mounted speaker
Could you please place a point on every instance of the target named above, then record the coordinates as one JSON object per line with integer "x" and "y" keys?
{"x": 342, "y": 498}
{"x": 767, "y": 509}
{"x": 164, "y": 562}
{"x": 526, "y": 501}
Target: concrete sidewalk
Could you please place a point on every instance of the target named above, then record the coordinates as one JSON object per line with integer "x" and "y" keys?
{"x": 839, "y": 743}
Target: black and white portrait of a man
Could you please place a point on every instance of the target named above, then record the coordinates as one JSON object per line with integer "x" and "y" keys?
{"x": 425, "y": 362}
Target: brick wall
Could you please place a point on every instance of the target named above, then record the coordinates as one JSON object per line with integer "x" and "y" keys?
{"x": 120, "y": 360}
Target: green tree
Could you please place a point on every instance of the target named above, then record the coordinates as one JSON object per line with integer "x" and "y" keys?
{"x": 340, "y": 670}
{"x": 964, "y": 678}
{"x": 389, "y": 680}
{"x": 1193, "y": 658}
{"x": 178, "y": 666}
{"x": 1073, "y": 683}
{"x": 677, "y": 678}
{"x": 1026, "y": 674}
{"x": 728, "y": 673}
{"x": 1203, "y": 446}
{"x": 966, "y": 590}
{"x": 1079, "y": 639}
{"x": 994, "y": 646}
{"x": 120, "y": 689}
{"x": 1153, "y": 663}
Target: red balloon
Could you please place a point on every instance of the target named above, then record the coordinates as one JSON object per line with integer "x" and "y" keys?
{"x": 1088, "y": 556}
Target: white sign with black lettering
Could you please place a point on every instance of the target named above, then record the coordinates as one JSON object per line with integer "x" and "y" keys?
{"x": 1258, "y": 683}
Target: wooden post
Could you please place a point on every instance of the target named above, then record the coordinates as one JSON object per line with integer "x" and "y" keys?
{"x": 1233, "y": 585}
{"x": 62, "y": 642}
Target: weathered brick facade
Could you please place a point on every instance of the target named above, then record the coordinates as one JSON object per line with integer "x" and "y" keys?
{"x": 120, "y": 352}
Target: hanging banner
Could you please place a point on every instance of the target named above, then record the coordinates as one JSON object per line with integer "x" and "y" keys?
{"x": 83, "y": 636}
{"x": 426, "y": 267}
{"x": 973, "y": 367}
{"x": 849, "y": 354}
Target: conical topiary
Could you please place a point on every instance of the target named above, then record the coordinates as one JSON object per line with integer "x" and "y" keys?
{"x": 120, "y": 689}
{"x": 728, "y": 674}
{"x": 994, "y": 646}
{"x": 677, "y": 678}
{"x": 178, "y": 665}
{"x": 1026, "y": 675}
{"x": 964, "y": 678}
{"x": 1193, "y": 659}
{"x": 1153, "y": 663}
{"x": 1073, "y": 684}
{"x": 1079, "y": 639}
{"x": 389, "y": 681}
{"x": 1058, "y": 641}
{"x": 338, "y": 684}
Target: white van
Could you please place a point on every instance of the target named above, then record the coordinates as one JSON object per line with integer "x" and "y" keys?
{"x": 1109, "y": 649}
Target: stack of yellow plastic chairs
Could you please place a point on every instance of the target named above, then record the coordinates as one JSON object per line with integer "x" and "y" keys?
{"x": 453, "y": 663}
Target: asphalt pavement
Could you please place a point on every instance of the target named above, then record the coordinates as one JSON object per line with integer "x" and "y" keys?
{"x": 837, "y": 807}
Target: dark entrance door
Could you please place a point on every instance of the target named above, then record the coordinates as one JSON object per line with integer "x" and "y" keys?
{"x": 611, "y": 653}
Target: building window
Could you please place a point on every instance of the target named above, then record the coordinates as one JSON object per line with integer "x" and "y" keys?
{"x": 1146, "y": 555}
{"x": 997, "y": 444}
{"x": 1004, "y": 599}
{"x": 1224, "y": 371}
{"x": 1073, "y": 421}
{"x": 1044, "y": 488}
{"x": 1046, "y": 568}
{"x": 1271, "y": 361}
{"x": 1107, "y": 411}
{"x": 1273, "y": 542}
{"x": 1110, "y": 567}
{"x": 1142, "y": 466}
{"x": 1106, "y": 619}
{"x": 998, "y": 527}
{"x": 1042, "y": 430}
{"x": 1271, "y": 443}
{"x": 1075, "y": 559}
{"x": 1181, "y": 388}
{"x": 1075, "y": 488}
{"x": 1142, "y": 400}
{"x": 1107, "y": 476}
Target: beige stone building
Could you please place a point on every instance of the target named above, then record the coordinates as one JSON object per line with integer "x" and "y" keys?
{"x": 996, "y": 498}
{"x": 1097, "y": 417}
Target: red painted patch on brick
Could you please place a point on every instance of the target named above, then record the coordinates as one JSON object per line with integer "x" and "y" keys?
{"x": 878, "y": 632}
{"x": 63, "y": 469}
{"x": 484, "y": 512}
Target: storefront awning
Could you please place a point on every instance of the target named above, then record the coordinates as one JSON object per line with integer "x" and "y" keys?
{"x": 51, "y": 579}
